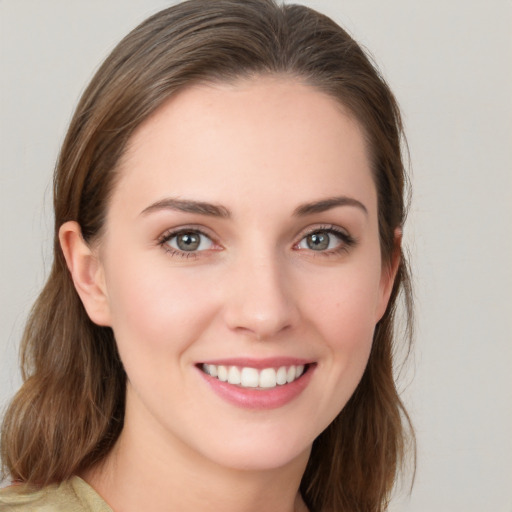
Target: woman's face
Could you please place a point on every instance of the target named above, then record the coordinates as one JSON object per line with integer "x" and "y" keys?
{"x": 241, "y": 243}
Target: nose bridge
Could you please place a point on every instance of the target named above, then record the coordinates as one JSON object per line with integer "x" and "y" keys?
{"x": 260, "y": 302}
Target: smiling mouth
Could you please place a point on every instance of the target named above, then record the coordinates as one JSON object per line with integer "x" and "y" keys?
{"x": 253, "y": 378}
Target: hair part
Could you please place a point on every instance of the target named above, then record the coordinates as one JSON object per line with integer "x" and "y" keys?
{"x": 69, "y": 412}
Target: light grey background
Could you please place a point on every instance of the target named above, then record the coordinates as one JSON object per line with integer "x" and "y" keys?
{"x": 449, "y": 63}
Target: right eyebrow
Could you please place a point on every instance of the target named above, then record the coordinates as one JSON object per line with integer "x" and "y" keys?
{"x": 188, "y": 206}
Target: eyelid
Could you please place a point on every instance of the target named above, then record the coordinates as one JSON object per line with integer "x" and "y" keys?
{"x": 333, "y": 228}
{"x": 170, "y": 233}
{"x": 328, "y": 226}
{"x": 347, "y": 240}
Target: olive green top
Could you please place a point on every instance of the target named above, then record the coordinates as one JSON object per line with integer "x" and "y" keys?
{"x": 73, "y": 495}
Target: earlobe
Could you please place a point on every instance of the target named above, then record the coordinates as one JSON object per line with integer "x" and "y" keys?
{"x": 388, "y": 275}
{"x": 86, "y": 271}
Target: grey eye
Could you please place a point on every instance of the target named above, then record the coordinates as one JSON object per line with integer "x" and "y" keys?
{"x": 318, "y": 241}
{"x": 188, "y": 241}
{"x": 321, "y": 240}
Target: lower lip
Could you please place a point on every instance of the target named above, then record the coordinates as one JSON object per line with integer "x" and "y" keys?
{"x": 257, "y": 398}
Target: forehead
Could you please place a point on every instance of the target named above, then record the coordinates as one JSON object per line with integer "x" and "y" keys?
{"x": 250, "y": 139}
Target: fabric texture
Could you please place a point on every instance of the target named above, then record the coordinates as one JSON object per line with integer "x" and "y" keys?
{"x": 73, "y": 495}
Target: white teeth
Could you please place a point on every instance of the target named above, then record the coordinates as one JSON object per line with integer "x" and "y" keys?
{"x": 234, "y": 375}
{"x": 250, "y": 378}
{"x": 247, "y": 377}
{"x": 268, "y": 378}
{"x": 281, "y": 376}
{"x": 222, "y": 373}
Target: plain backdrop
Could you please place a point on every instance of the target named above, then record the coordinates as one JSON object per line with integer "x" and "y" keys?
{"x": 450, "y": 65}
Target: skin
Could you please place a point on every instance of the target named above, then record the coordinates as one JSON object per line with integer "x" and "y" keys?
{"x": 260, "y": 149}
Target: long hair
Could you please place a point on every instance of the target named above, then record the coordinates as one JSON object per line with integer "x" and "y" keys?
{"x": 69, "y": 412}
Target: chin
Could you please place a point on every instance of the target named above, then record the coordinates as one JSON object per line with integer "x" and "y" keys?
{"x": 262, "y": 458}
{"x": 258, "y": 447}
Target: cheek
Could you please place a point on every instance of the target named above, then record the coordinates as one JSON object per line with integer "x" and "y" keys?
{"x": 348, "y": 329}
{"x": 156, "y": 308}
{"x": 344, "y": 306}
{"x": 344, "y": 316}
{"x": 340, "y": 311}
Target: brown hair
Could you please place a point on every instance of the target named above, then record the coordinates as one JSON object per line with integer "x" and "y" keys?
{"x": 69, "y": 411}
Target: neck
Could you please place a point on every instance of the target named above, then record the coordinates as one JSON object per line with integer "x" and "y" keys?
{"x": 140, "y": 474}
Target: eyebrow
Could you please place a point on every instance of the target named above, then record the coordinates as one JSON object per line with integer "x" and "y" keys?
{"x": 327, "y": 204}
{"x": 188, "y": 206}
{"x": 215, "y": 210}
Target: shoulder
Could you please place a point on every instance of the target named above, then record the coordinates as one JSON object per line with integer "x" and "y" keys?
{"x": 73, "y": 495}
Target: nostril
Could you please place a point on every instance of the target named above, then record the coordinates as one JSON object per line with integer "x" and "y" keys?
{"x": 258, "y": 300}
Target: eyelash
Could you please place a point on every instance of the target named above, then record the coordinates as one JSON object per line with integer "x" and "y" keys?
{"x": 169, "y": 235}
{"x": 346, "y": 241}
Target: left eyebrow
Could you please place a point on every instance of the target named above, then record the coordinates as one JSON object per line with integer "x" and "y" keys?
{"x": 327, "y": 204}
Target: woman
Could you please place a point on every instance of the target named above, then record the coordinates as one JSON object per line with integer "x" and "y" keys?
{"x": 217, "y": 328}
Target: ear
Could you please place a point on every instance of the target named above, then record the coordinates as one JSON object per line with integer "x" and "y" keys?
{"x": 388, "y": 275}
{"x": 86, "y": 271}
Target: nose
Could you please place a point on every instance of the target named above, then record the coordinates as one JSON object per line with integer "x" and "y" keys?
{"x": 260, "y": 301}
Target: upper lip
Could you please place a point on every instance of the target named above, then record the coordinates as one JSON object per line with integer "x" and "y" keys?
{"x": 268, "y": 362}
